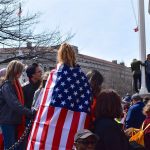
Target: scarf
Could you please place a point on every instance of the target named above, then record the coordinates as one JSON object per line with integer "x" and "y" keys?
{"x": 19, "y": 92}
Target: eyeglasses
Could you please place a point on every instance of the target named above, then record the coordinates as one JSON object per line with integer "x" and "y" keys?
{"x": 86, "y": 142}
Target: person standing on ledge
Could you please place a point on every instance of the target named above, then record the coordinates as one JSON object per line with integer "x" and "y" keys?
{"x": 147, "y": 72}
{"x": 136, "y": 71}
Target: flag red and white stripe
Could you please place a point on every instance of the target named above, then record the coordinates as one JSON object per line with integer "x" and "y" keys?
{"x": 54, "y": 127}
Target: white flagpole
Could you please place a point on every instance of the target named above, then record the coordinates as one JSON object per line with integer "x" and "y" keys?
{"x": 149, "y": 7}
{"x": 20, "y": 53}
{"x": 142, "y": 44}
{"x": 19, "y": 15}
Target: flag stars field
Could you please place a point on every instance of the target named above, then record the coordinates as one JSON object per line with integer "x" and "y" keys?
{"x": 69, "y": 104}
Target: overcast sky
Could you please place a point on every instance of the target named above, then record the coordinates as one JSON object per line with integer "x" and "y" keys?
{"x": 103, "y": 28}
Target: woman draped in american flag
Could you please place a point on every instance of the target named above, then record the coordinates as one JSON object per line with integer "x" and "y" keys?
{"x": 65, "y": 105}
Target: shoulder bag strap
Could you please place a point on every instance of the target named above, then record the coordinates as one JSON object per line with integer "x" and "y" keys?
{"x": 147, "y": 127}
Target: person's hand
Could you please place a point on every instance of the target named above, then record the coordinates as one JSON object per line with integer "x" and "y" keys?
{"x": 128, "y": 132}
{"x": 131, "y": 131}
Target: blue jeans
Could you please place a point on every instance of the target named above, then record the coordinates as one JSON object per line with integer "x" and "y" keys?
{"x": 10, "y": 136}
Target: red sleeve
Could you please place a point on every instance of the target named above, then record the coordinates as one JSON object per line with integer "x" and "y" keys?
{"x": 92, "y": 116}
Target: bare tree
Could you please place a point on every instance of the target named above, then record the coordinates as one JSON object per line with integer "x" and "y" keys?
{"x": 16, "y": 31}
{"x": 10, "y": 22}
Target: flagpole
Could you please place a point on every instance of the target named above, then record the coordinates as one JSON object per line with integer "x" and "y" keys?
{"x": 142, "y": 44}
{"x": 19, "y": 14}
{"x": 19, "y": 46}
{"x": 149, "y": 6}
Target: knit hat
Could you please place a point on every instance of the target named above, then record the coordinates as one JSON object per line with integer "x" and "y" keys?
{"x": 136, "y": 97}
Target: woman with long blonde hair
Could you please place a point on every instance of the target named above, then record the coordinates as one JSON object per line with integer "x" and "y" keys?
{"x": 65, "y": 105}
{"x": 66, "y": 55}
{"x": 12, "y": 110}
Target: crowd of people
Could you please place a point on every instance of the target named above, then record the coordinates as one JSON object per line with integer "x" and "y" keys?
{"x": 68, "y": 109}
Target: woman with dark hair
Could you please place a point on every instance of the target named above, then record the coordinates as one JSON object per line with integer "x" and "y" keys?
{"x": 111, "y": 136}
{"x": 95, "y": 79}
{"x": 12, "y": 110}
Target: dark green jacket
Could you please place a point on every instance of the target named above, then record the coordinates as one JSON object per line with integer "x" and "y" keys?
{"x": 136, "y": 67}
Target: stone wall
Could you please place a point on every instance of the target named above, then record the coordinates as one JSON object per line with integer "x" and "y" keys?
{"x": 116, "y": 76}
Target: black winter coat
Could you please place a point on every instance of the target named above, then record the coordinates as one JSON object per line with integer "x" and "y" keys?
{"x": 111, "y": 137}
{"x": 29, "y": 89}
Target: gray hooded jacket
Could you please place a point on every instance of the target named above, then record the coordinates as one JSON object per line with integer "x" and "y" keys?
{"x": 11, "y": 110}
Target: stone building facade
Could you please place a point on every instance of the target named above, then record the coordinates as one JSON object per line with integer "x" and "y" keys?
{"x": 116, "y": 76}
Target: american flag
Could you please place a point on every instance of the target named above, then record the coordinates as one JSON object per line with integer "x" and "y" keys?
{"x": 136, "y": 29}
{"x": 63, "y": 111}
{"x": 20, "y": 10}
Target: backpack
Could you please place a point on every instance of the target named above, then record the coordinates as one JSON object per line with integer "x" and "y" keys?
{"x": 138, "y": 137}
